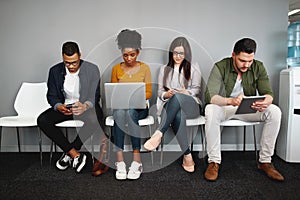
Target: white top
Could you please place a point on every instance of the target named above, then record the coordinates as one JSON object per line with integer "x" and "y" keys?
{"x": 71, "y": 87}
{"x": 175, "y": 84}
{"x": 237, "y": 89}
{"x": 175, "y": 81}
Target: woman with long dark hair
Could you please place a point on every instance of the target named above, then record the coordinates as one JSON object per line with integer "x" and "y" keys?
{"x": 179, "y": 86}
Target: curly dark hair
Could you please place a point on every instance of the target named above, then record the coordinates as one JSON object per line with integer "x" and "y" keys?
{"x": 129, "y": 39}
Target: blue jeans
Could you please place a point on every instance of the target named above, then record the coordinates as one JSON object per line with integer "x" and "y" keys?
{"x": 130, "y": 117}
{"x": 177, "y": 109}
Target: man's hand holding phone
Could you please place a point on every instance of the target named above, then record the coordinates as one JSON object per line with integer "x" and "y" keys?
{"x": 76, "y": 108}
{"x": 66, "y": 109}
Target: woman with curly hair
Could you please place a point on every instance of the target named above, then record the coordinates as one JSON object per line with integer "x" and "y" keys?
{"x": 130, "y": 70}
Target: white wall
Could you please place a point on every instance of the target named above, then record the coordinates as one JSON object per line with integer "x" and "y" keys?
{"x": 32, "y": 32}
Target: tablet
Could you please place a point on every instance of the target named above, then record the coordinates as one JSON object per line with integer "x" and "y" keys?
{"x": 245, "y": 106}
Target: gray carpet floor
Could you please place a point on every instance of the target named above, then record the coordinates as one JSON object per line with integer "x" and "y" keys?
{"x": 21, "y": 177}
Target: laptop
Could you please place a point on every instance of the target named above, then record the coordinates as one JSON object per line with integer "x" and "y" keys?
{"x": 125, "y": 95}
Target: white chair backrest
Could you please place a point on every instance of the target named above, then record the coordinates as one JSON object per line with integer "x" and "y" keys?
{"x": 31, "y": 99}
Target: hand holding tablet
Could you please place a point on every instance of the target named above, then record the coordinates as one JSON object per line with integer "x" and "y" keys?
{"x": 245, "y": 106}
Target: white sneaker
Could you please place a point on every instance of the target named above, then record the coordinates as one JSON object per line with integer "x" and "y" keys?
{"x": 135, "y": 170}
{"x": 79, "y": 162}
{"x": 121, "y": 170}
{"x": 64, "y": 162}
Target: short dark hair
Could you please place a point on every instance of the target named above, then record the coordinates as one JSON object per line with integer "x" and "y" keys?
{"x": 129, "y": 39}
{"x": 70, "y": 48}
{"x": 246, "y": 45}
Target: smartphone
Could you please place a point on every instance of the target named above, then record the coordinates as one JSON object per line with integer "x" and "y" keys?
{"x": 69, "y": 106}
{"x": 166, "y": 88}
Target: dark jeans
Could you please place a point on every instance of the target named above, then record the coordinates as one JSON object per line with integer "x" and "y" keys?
{"x": 130, "y": 117}
{"x": 177, "y": 109}
{"x": 47, "y": 120}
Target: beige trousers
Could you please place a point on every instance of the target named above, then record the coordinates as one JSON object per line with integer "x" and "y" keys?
{"x": 215, "y": 114}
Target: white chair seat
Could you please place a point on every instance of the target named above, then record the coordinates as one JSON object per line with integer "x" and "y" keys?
{"x": 200, "y": 120}
{"x": 149, "y": 120}
{"x": 13, "y": 121}
{"x": 70, "y": 124}
{"x": 236, "y": 122}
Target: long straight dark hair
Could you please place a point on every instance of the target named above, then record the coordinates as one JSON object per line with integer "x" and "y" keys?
{"x": 186, "y": 63}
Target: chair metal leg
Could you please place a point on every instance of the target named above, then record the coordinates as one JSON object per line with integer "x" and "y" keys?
{"x": 109, "y": 144}
{"x": 0, "y": 137}
{"x": 40, "y": 144}
{"x": 51, "y": 151}
{"x": 161, "y": 150}
{"x": 55, "y": 147}
{"x": 255, "y": 147}
{"x": 203, "y": 141}
{"x": 192, "y": 139}
{"x": 244, "y": 148}
{"x": 150, "y": 131}
{"x": 18, "y": 137}
{"x": 92, "y": 146}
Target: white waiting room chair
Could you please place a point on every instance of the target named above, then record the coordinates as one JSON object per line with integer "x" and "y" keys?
{"x": 198, "y": 121}
{"x": 244, "y": 124}
{"x": 30, "y": 102}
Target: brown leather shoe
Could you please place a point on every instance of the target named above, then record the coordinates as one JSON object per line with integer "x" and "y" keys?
{"x": 101, "y": 164}
{"x": 99, "y": 168}
{"x": 270, "y": 170}
{"x": 212, "y": 171}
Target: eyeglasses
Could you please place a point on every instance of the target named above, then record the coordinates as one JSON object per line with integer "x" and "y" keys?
{"x": 74, "y": 63}
{"x": 175, "y": 53}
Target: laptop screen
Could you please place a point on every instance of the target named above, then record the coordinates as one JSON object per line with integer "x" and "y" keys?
{"x": 125, "y": 95}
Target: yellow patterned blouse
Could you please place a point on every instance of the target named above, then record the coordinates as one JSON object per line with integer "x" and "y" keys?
{"x": 141, "y": 73}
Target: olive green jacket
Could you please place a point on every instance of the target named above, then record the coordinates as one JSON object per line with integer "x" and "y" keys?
{"x": 223, "y": 77}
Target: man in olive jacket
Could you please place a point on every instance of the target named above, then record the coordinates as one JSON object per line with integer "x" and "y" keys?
{"x": 230, "y": 80}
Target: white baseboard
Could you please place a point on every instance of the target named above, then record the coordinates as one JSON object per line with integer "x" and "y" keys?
{"x": 167, "y": 147}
